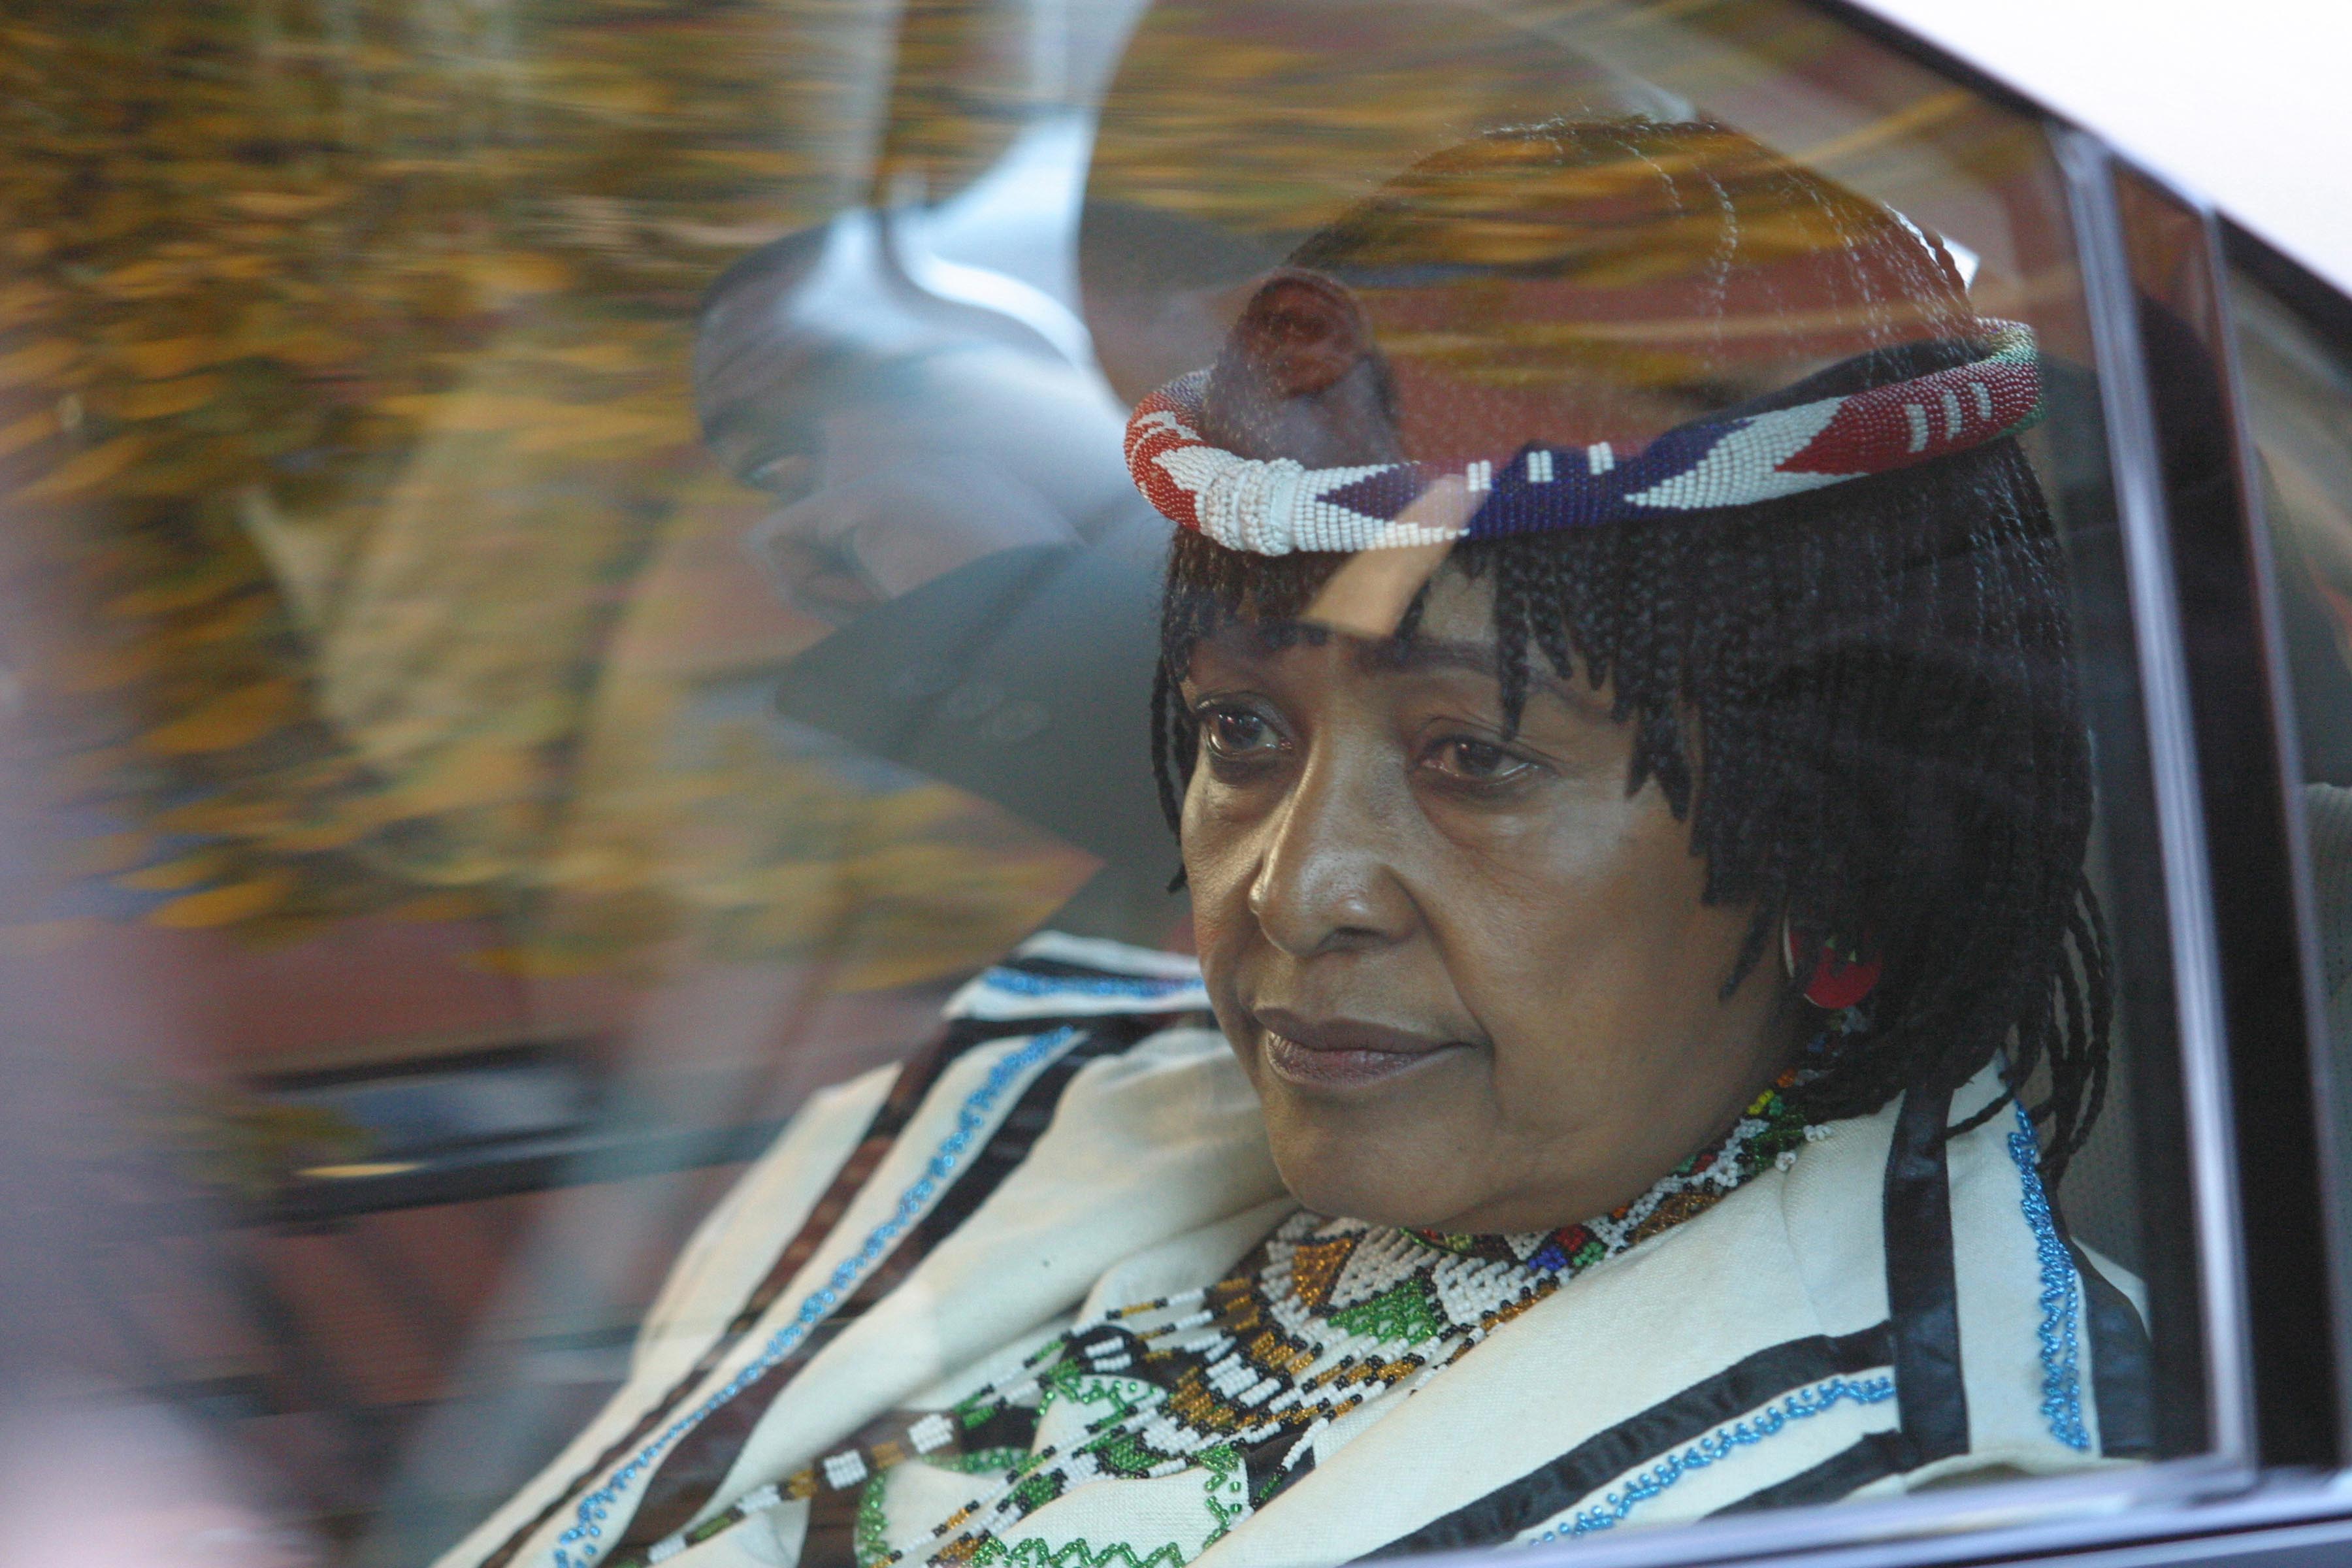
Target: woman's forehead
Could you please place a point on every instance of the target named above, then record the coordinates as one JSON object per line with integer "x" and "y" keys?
{"x": 1455, "y": 634}
{"x": 1454, "y": 608}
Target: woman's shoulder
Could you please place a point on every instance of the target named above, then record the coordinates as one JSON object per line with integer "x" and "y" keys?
{"x": 2015, "y": 1343}
{"x": 1063, "y": 1030}
{"x": 1055, "y": 977}
{"x": 1055, "y": 1009}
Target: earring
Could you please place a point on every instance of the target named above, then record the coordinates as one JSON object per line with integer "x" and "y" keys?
{"x": 1837, "y": 981}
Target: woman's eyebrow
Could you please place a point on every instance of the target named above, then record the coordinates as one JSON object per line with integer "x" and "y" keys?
{"x": 1436, "y": 652}
{"x": 1424, "y": 654}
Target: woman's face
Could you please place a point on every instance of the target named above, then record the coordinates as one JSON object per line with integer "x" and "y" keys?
{"x": 1471, "y": 979}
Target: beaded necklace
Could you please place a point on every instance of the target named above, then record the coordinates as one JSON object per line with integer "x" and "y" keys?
{"x": 1241, "y": 1377}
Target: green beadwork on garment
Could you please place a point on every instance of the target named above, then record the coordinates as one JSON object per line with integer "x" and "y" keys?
{"x": 1075, "y": 1553}
{"x": 1402, "y": 1313}
{"x": 1454, "y": 1243}
{"x": 1117, "y": 1397}
{"x": 1783, "y": 1132}
{"x": 1122, "y": 1455}
{"x": 870, "y": 1542}
{"x": 1407, "y": 1315}
{"x": 871, "y": 1538}
{"x": 1223, "y": 1466}
{"x": 1036, "y": 1490}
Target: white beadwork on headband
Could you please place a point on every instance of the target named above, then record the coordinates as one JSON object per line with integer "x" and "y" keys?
{"x": 1276, "y": 506}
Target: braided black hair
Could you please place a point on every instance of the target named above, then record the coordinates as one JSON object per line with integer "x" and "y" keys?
{"x": 1892, "y": 753}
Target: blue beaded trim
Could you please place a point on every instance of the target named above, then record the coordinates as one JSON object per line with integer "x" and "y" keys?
{"x": 2062, "y": 1383}
{"x": 1722, "y": 1444}
{"x": 971, "y": 1121}
{"x": 1021, "y": 983}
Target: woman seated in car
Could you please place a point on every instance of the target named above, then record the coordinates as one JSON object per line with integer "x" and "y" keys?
{"x": 1617, "y": 713}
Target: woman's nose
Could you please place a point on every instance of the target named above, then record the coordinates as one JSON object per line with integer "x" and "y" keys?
{"x": 1327, "y": 878}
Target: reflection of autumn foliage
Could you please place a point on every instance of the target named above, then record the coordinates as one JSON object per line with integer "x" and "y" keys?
{"x": 342, "y": 394}
{"x": 241, "y": 1145}
{"x": 1275, "y": 118}
{"x": 342, "y": 351}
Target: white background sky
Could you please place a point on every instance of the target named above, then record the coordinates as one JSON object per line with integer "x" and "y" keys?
{"x": 2248, "y": 102}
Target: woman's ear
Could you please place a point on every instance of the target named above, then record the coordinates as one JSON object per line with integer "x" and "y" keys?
{"x": 1299, "y": 333}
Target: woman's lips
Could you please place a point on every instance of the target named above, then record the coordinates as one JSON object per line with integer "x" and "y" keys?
{"x": 1341, "y": 1052}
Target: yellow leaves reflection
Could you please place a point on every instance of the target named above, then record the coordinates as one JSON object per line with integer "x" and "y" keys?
{"x": 233, "y": 719}
{"x": 36, "y": 361}
{"x": 176, "y": 875}
{"x": 31, "y": 430}
{"x": 157, "y": 400}
{"x": 228, "y": 905}
{"x": 159, "y": 359}
{"x": 282, "y": 204}
{"x": 343, "y": 387}
{"x": 513, "y": 274}
{"x": 85, "y": 470}
{"x": 103, "y": 853}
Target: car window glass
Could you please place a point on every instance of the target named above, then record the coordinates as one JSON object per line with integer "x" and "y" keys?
{"x": 1000, "y": 782}
{"x": 2294, "y": 367}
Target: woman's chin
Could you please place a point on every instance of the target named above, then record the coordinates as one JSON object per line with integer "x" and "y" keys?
{"x": 1405, "y": 1159}
{"x": 1348, "y": 1184}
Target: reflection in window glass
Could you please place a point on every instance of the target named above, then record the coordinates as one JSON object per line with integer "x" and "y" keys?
{"x": 1016, "y": 783}
{"x": 2298, "y": 389}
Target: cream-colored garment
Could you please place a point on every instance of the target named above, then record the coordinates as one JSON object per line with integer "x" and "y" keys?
{"x": 1795, "y": 1253}
{"x": 1147, "y": 1144}
{"x": 1154, "y": 1176}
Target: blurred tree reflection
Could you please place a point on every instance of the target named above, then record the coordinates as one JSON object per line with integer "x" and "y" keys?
{"x": 343, "y": 372}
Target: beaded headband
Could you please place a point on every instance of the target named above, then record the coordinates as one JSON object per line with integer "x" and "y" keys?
{"x": 1273, "y": 507}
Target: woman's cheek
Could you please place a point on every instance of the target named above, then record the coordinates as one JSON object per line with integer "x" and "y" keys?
{"x": 1540, "y": 957}
{"x": 1216, "y": 873}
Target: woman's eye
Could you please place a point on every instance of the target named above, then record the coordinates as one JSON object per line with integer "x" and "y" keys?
{"x": 1233, "y": 733}
{"x": 1478, "y": 762}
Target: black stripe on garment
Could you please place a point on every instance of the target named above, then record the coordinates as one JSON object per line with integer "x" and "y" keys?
{"x": 2122, "y": 1365}
{"x": 687, "y": 1478}
{"x": 1730, "y": 1394}
{"x": 1923, "y": 1299}
{"x": 1870, "y": 1458}
{"x": 829, "y": 1538}
{"x": 915, "y": 1081}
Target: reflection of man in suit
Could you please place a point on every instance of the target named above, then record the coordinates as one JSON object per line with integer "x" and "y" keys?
{"x": 953, "y": 498}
